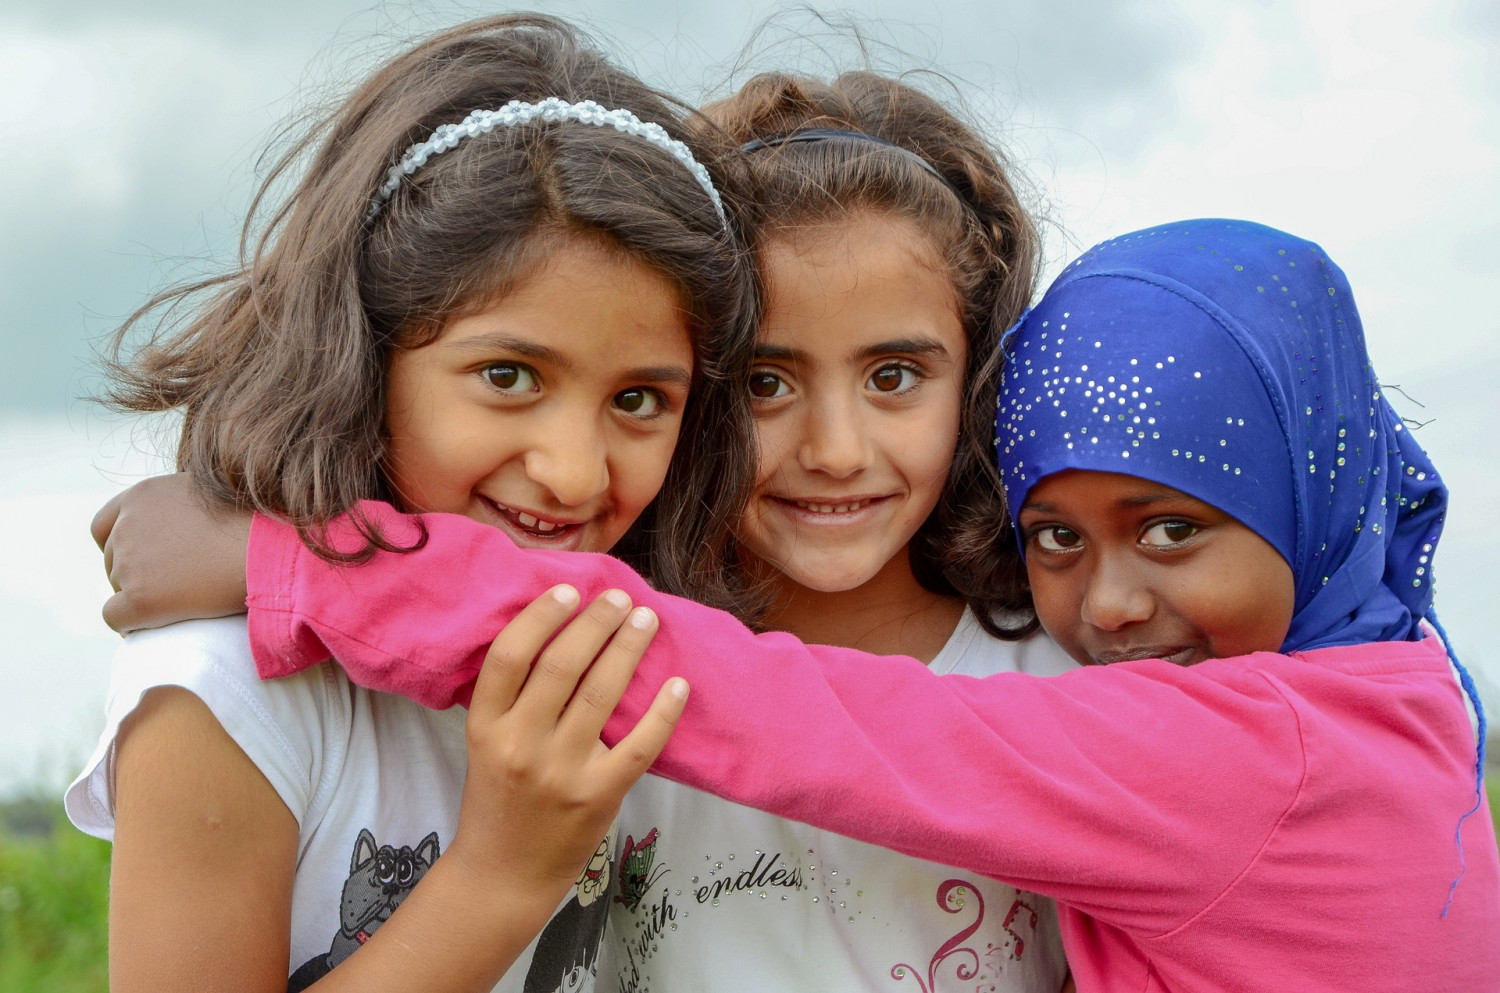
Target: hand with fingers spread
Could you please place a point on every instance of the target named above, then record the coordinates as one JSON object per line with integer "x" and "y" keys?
{"x": 541, "y": 788}
{"x": 170, "y": 554}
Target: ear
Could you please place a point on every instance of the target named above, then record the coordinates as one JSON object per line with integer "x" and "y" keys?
{"x": 364, "y": 850}
{"x": 427, "y": 851}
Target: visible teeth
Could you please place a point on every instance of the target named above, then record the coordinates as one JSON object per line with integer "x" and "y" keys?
{"x": 832, "y": 508}
{"x": 535, "y": 523}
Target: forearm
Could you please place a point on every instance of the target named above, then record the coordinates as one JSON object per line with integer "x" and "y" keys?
{"x": 457, "y": 932}
{"x": 413, "y": 623}
{"x": 1040, "y": 782}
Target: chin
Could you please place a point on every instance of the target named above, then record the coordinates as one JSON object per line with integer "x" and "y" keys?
{"x": 832, "y": 580}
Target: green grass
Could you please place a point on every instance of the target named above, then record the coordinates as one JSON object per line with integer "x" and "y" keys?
{"x": 54, "y": 892}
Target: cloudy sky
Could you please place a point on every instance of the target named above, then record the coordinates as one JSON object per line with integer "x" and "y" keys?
{"x": 134, "y": 127}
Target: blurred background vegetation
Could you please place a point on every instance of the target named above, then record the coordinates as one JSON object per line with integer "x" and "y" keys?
{"x": 54, "y": 896}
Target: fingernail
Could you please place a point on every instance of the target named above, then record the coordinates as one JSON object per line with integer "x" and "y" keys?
{"x": 642, "y": 617}
{"x": 565, "y": 595}
{"x": 616, "y": 597}
{"x": 678, "y": 687}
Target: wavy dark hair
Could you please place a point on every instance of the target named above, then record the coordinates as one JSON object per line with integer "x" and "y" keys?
{"x": 967, "y": 204}
{"x": 279, "y": 365}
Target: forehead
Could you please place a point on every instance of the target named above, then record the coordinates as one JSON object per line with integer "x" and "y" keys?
{"x": 1087, "y": 491}
{"x": 861, "y": 239}
{"x": 584, "y": 302}
{"x": 867, "y": 272}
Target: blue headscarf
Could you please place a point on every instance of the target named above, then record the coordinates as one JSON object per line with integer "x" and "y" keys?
{"x": 1227, "y": 360}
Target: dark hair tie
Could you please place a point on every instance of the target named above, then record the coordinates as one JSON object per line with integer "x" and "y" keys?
{"x": 825, "y": 134}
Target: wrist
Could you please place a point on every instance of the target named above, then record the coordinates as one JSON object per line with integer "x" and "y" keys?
{"x": 513, "y": 889}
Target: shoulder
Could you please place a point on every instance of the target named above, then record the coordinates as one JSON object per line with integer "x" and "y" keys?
{"x": 212, "y": 659}
{"x": 281, "y": 725}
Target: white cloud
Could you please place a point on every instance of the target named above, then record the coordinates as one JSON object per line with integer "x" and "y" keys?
{"x": 115, "y": 114}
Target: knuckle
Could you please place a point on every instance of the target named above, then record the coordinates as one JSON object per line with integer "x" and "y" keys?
{"x": 502, "y": 656}
{"x": 638, "y": 755}
{"x": 592, "y": 697}
{"x": 605, "y": 613}
{"x": 556, "y": 666}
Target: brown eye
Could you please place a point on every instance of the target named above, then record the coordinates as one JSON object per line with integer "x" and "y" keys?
{"x": 893, "y": 379}
{"x": 1169, "y": 533}
{"x": 510, "y": 377}
{"x": 1058, "y": 539}
{"x": 639, "y": 402}
{"x": 767, "y": 385}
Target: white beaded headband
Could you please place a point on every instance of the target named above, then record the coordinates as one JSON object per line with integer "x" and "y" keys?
{"x": 550, "y": 109}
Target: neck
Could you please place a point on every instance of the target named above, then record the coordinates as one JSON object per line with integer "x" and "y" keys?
{"x": 890, "y": 614}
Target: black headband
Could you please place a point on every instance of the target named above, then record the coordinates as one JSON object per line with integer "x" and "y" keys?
{"x": 823, "y": 134}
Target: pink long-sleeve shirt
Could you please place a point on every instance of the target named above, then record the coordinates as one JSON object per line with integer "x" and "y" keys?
{"x": 1267, "y": 822}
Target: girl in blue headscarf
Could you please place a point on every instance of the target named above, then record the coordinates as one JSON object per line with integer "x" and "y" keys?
{"x": 1262, "y": 779}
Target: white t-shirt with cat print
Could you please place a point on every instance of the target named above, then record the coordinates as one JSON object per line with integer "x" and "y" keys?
{"x": 373, "y": 780}
{"x": 713, "y": 897}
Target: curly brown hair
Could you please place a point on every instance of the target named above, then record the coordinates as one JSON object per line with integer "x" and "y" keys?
{"x": 953, "y": 184}
{"x": 279, "y": 365}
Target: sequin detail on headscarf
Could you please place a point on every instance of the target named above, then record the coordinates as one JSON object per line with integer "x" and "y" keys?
{"x": 1227, "y": 360}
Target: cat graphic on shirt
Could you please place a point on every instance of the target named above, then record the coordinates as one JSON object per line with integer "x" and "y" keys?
{"x": 380, "y": 877}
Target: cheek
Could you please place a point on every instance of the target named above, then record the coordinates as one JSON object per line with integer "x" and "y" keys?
{"x": 774, "y": 436}
{"x": 1057, "y": 603}
{"x": 1253, "y": 610}
{"x": 924, "y": 446}
{"x": 639, "y": 476}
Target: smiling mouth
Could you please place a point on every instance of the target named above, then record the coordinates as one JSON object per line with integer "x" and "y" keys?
{"x": 530, "y": 524}
{"x": 840, "y": 507}
{"x": 1176, "y": 655}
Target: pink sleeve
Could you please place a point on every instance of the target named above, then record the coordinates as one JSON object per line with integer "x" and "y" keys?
{"x": 1091, "y": 786}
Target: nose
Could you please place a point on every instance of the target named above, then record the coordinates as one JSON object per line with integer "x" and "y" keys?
{"x": 570, "y": 459}
{"x": 1117, "y": 595}
{"x": 835, "y": 438}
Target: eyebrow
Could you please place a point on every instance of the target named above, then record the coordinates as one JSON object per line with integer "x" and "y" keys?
{"x": 901, "y": 346}
{"x": 665, "y": 374}
{"x": 908, "y": 346}
{"x": 493, "y": 341}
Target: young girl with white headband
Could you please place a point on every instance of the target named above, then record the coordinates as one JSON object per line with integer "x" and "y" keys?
{"x": 1263, "y": 778}
{"x": 894, "y": 251}
{"x": 510, "y": 315}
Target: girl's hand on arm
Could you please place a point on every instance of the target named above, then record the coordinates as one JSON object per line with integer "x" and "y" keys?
{"x": 170, "y": 554}
{"x": 542, "y": 790}
{"x": 540, "y": 794}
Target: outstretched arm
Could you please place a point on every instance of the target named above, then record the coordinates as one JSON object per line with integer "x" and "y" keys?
{"x": 1047, "y": 784}
{"x": 1090, "y": 787}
